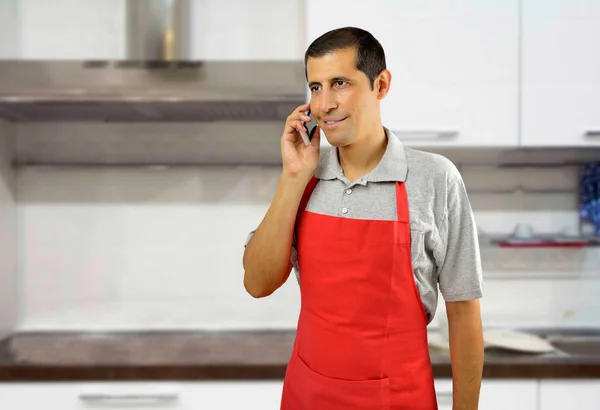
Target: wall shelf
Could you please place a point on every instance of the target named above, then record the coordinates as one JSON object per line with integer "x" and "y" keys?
{"x": 551, "y": 259}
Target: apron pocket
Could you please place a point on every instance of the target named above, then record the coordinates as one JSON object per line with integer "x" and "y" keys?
{"x": 312, "y": 390}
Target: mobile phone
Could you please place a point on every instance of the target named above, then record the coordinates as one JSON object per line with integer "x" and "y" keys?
{"x": 307, "y": 136}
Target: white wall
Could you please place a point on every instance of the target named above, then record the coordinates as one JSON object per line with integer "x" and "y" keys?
{"x": 127, "y": 248}
{"x": 8, "y": 233}
{"x": 140, "y": 248}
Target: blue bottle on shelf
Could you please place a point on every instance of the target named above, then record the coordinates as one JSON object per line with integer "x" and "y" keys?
{"x": 589, "y": 201}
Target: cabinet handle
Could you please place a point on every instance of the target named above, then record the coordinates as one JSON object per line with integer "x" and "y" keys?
{"x": 593, "y": 134}
{"x": 444, "y": 398}
{"x": 129, "y": 398}
{"x": 425, "y": 135}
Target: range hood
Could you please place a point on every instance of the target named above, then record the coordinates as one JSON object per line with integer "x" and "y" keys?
{"x": 157, "y": 81}
{"x": 129, "y": 91}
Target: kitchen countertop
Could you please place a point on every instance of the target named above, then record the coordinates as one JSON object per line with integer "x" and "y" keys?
{"x": 257, "y": 355}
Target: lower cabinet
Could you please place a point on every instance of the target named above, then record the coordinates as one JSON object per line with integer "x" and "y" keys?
{"x": 495, "y": 394}
{"x": 570, "y": 394}
{"x": 247, "y": 395}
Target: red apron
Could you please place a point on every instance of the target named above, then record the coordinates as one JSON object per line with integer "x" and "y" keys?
{"x": 361, "y": 340}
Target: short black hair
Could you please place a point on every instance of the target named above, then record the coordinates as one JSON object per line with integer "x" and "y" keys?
{"x": 370, "y": 55}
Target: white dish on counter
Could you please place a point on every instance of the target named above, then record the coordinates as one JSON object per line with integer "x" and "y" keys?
{"x": 518, "y": 341}
{"x": 501, "y": 339}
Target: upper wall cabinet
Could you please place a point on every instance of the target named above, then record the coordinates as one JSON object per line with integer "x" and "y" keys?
{"x": 71, "y": 29}
{"x": 561, "y": 73}
{"x": 454, "y": 66}
{"x": 218, "y": 29}
{"x": 248, "y": 30}
{"x": 8, "y": 29}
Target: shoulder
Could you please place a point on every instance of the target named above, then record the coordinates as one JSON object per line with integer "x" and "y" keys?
{"x": 435, "y": 168}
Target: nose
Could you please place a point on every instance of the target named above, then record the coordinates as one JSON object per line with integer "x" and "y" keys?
{"x": 327, "y": 101}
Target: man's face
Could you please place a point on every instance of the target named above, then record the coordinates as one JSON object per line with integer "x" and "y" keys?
{"x": 342, "y": 100}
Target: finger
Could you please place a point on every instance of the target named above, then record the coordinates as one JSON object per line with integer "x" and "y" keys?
{"x": 293, "y": 126}
{"x": 300, "y": 113}
{"x": 303, "y": 107}
{"x": 303, "y": 117}
{"x": 299, "y": 116}
{"x": 294, "y": 139}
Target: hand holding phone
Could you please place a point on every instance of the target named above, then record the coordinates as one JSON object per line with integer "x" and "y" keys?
{"x": 300, "y": 147}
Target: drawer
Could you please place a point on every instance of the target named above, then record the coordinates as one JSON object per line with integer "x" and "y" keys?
{"x": 249, "y": 395}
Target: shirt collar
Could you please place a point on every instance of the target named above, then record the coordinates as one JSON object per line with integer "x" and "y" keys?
{"x": 391, "y": 168}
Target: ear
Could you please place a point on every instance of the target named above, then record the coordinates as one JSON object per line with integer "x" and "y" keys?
{"x": 382, "y": 84}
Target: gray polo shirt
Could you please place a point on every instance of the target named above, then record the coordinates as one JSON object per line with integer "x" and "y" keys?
{"x": 444, "y": 243}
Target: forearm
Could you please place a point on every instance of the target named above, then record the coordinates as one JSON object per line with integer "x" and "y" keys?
{"x": 466, "y": 353}
{"x": 267, "y": 255}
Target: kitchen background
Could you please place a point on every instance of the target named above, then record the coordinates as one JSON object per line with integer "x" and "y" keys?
{"x": 136, "y": 220}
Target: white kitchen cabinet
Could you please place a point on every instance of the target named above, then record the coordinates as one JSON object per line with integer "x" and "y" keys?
{"x": 221, "y": 395}
{"x": 219, "y": 29}
{"x": 443, "y": 391}
{"x": 570, "y": 394}
{"x": 8, "y": 233}
{"x": 561, "y": 73}
{"x": 509, "y": 394}
{"x": 215, "y": 395}
{"x": 495, "y": 394}
{"x": 71, "y": 29}
{"x": 8, "y": 29}
{"x": 454, "y": 66}
{"x": 225, "y": 30}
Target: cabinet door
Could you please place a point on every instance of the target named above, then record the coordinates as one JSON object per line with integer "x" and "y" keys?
{"x": 225, "y": 30}
{"x": 509, "y": 394}
{"x": 495, "y": 394}
{"x": 225, "y": 395}
{"x": 220, "y": 29}
{"x": 561, "y": 73}
{"x": 454, "y": 66}
{"x": 8, "y": 233}
{"x": 443, "y": 392}
{"x": 8, "y": 29}
{"x": 71, "y": 29}
{"x": 570, "y": 394}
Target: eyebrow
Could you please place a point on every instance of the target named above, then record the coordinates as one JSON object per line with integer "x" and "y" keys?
{"x": 334, "y": 79}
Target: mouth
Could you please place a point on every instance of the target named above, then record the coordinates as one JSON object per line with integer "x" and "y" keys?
{"x": 331, "y": 124}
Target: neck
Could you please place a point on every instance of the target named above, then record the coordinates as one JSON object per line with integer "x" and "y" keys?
{"x": 362, "y": 156}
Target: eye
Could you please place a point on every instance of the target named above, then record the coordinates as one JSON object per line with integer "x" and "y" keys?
{"x": 314, "y": 88}
{"x": 341, "y": 83}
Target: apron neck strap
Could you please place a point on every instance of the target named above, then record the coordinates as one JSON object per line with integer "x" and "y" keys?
{"x": 402, "y": 202}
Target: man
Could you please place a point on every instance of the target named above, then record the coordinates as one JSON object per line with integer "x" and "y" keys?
{"x": 371, "y": 228}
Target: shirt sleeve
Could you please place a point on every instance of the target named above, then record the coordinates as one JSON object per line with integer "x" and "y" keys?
{"x": 457, "y": 255}
{"x": 249, "y": 237}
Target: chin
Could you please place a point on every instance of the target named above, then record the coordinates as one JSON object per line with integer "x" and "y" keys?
{"x": 333, "y": 138}
{"x": 336, "y": 142}
{"x": 337, "y": 138}
{"x": 339, "y": 142}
